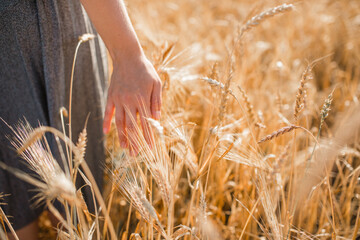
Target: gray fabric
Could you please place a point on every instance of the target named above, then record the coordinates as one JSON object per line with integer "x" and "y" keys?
{"x": 37, "y": 44}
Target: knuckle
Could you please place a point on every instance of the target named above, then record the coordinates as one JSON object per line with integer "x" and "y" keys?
{"x": 122, "y": 98}
{"x": 117, "y": 99}
{"x": 126, "y": 97}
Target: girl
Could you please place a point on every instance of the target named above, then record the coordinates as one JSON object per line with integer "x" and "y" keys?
{"x": 37, "y": 43}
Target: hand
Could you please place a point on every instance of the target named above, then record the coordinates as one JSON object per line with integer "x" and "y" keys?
{"x": 135, "y": 88}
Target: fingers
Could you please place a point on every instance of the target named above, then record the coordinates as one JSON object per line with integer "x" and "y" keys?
{"x": 143, "y": 114}
{"x": 130, "y": 121}
{"x": 140, "y": 80}
{"x": 120, "y": 125}
{"x": 109, "y": 112}
{"x": 156, "y": 101}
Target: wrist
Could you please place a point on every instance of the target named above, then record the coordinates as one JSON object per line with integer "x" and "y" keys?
{"x": 126, "y": 53}
{"x": 125, "y": 62}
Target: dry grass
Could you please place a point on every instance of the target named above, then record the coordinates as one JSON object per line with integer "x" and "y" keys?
{"x": 207, "y": 177}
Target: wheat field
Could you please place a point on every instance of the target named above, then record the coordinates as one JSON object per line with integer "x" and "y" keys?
{"x": 259, "y": 135}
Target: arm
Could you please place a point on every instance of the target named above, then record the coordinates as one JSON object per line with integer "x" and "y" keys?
{"x": 133, "y": 75}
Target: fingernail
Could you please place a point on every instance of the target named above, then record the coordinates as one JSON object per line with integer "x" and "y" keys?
{"x": 157, "y": 115}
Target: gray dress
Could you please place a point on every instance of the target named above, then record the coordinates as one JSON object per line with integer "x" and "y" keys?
{"x": 37, "y": 44}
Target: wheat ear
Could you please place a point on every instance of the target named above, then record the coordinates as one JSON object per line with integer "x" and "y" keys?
{"x": 257, "y": 19}
{"x": 326, "y": 108}
{"x": 81, "y": 146}
{"x": 249, "y": 106}
{"x": 301, "y": 93}
{"x": 278, "y": 133}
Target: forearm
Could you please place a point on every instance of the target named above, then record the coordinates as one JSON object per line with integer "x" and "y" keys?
{"x": 112, "y": 22}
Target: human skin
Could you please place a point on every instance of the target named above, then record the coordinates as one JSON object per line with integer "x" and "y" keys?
{"x": 135, "y": 87}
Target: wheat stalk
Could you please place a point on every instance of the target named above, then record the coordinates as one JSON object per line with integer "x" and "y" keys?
{"x": 224, "y": 96}
{"x": 83, "y": 38}
{"x": 133, "y": 190}
{"x": 38, "y": 155}
{"x": 280, "y": 159}
{"x": 3, "y": 217}
{"x": 214, "y": 71}
{"x": 129, "y": 186}
{"x": 39, "y": 132}
{"x": 214, "y": 83}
